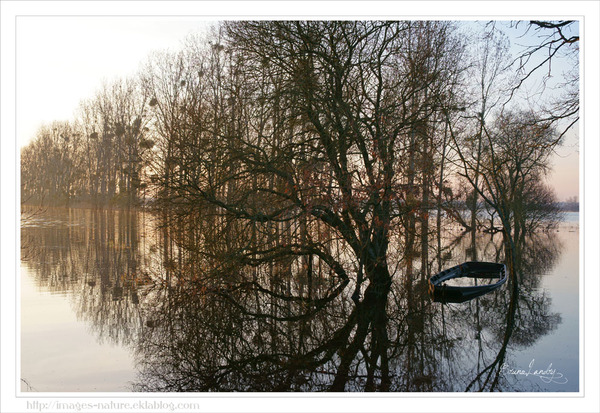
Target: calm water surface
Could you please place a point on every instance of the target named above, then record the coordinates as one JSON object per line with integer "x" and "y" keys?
{"x": 110, "y": 301}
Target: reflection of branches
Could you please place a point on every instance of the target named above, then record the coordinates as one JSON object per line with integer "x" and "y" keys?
{"x": 436, "y": 349}
{"x": 276, "y": 310}
{"x": 288, "y": 323}
{"x": 539, "y": 254}
{"x": 528, "y": 316}
{"x": 534, "y": 319}
{"x": 31, "y": 212}
{"x": 494, "y": 368}
{"x": 316, "y": 305}
{"x": 248, "y": 337}
{"x": 29, "y": 386}
{"x": 94, "y": 256}
{"x": 233, "y": 351}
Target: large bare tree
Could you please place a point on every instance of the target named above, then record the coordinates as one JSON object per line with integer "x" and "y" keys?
{"x": 311, "y": 146}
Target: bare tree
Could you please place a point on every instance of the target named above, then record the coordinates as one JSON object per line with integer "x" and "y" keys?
{"x": 302, "y": 132}
{"x": 555, "y": 41}
{"x": 50, "y": 166}
{"x": 516, "y": 154}
{"x": 490, "y": 61}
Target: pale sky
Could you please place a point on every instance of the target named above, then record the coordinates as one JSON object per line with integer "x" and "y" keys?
{"x": 63, "y": 60}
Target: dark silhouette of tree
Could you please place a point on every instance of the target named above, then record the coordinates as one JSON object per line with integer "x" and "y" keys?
{"x": 491, "y": 71}
{"x": 115, "y": 127}
{"x": 307, "y": 136}
{"x": 557, "y": 39}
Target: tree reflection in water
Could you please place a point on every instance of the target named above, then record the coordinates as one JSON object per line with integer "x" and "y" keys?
{"x": 201, "y": 316}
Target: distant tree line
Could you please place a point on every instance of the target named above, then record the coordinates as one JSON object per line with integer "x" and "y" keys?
{"x": 97, "y": 158}
{"x": 571, "y": 204}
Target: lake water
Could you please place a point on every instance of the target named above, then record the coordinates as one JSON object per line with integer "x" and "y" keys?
{"x": 112, "y": 301}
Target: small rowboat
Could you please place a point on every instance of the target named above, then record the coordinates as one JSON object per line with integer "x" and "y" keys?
{"x": 440, "y": 292}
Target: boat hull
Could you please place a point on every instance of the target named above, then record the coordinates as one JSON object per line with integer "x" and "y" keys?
{"x": 439, "y": 292}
